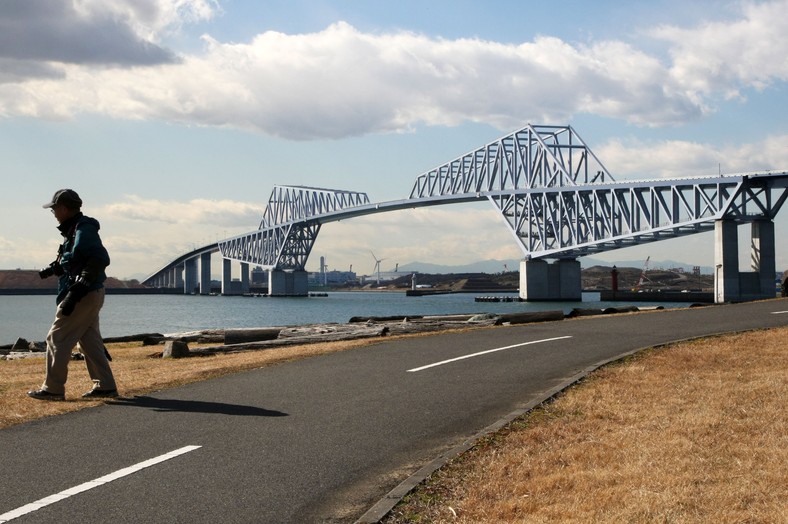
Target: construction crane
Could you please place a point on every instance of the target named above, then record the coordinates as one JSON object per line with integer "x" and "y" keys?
{"x": 643, "y": 273}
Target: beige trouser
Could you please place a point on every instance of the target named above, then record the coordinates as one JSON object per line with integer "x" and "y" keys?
{"x": 81, "y": 326}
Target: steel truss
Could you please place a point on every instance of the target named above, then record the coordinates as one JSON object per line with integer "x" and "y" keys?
{"x": 559, "y": 200}
{"x": 567, "y": 223}
{"x": 554, "y": 194}
{"x": 536, "y": 156}
{"x": 298, "y": 203}
{"x": 286, "y": 234}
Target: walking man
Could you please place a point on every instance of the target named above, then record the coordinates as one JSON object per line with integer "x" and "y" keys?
{"x": 79, "y": 267}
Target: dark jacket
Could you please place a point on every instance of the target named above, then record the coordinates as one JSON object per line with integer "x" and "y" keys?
{"x": 83, "y": 254}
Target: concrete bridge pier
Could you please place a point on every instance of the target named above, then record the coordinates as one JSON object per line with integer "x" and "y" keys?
{"x": 205, "y": 274}
{"x": 245, "y": 277}
{"x": 234, "y": 287}
{"x": 732, "y": 285}
{"x": 559, "y": 280}
{"x": 164, "y": 280}
{"x": 288, "y": 283}
{"x": 190, "y": 276}
{"x": 227, "y": 277}
{"x": 178, "y": 275}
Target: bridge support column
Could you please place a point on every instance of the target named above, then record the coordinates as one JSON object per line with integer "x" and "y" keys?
{"x": 732, "y": 285}
{"x": 557, "y": 281}
{"x": 205, "y": 274}
{"x": 189, "y": 276}
{"x": 179, "y": 276}
{"x": 726, "y": 261}
{"x": 300, "y": 283}
{"x": 764, "y": 263}
{"x": 230, "y": 286}
{"x": 227, "y": 276}
{"x": 244, "y": 277}
{"x": 288, "y": 283}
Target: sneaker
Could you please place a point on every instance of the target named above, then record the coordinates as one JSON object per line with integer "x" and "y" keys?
{"x": 42, "y": 394}
{"x": 101, "y": 393}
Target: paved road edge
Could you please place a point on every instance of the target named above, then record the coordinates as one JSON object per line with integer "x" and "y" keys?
{"x": 381, "y": 508}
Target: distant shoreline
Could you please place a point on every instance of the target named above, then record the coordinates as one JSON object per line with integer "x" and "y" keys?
{"x": 109, "y": 291}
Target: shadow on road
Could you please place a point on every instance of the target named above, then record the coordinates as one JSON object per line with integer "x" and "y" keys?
{"x": 195, "y": 406}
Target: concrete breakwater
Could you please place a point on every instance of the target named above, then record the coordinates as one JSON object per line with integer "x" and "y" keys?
{"x": 657, "y": 296}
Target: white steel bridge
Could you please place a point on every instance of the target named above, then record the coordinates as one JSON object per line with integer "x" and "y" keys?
{"x": 558, "y": 201}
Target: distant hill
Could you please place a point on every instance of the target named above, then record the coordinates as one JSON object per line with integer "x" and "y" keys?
{"x": 600, "y": 277}
{"x": 653, "y": 264}
{"x": 482, "y": 266}
{"x": 498, "y": 266}
{"x": 29, "y": 279}
{"x": 595, "y": 278}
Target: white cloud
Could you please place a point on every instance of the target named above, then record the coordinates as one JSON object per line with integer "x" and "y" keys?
{"x": 24, "y": 253}
{"x": 151, "y": 18}
{"x": 636, "y": 159}
{"x": 145, "y": 234}
{"x": 342, "y": 82}
{"x": 724, "y": 57}
{"x": 94, "y": 32}
{"x": 197, "y": 212}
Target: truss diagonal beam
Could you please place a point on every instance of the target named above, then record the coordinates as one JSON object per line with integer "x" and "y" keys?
{"x": 533, "y": 157}
{"x": 282, "y": 247}
{"x": 288, "y": 229}
{"x": 575, "y": 221}
{"x": 298, "y": 203}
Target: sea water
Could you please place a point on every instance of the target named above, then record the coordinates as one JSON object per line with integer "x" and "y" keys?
{"x": 29, "y": 316}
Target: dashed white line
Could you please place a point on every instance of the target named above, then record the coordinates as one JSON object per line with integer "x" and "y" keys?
{"x": 57, "y": 497}
{"x": 486, "y": 352}
{"x": 779, "y": 312}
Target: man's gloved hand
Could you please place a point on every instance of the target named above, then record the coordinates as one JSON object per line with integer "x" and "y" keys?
{"x": 75, "y": 293}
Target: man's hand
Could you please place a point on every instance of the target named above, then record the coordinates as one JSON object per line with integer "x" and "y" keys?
{"x": 52, "y": 269}
{"x": 75, "y": 293}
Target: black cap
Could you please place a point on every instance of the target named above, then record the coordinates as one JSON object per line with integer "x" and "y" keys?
{"x": 67, "y": 197}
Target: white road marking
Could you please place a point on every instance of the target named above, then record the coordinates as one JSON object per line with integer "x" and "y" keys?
{"x": 57, "y": 497}
{"x": 779, "y": 312}
{"x": 485, "y": 352}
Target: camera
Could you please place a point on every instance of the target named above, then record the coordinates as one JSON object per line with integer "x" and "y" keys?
{"x": 52, "y": 269}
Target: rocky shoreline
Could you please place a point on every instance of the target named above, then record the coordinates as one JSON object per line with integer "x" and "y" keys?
{"x": 247, "y": 339}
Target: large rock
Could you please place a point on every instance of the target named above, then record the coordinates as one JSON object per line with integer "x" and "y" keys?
{"x": 37, "y": 346}
{"x": 531, "y": 316}
{"x": 175, "y": 349}
{"x": 244, "y": 335}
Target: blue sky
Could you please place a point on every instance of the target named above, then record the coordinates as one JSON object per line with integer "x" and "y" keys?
{"x": 174, "y": 118}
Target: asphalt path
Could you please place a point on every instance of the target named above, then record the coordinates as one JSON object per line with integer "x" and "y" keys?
{"x": 320, "y": 439}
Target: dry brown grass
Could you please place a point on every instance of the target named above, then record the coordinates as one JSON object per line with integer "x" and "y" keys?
{"x": 695, "y": 432}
